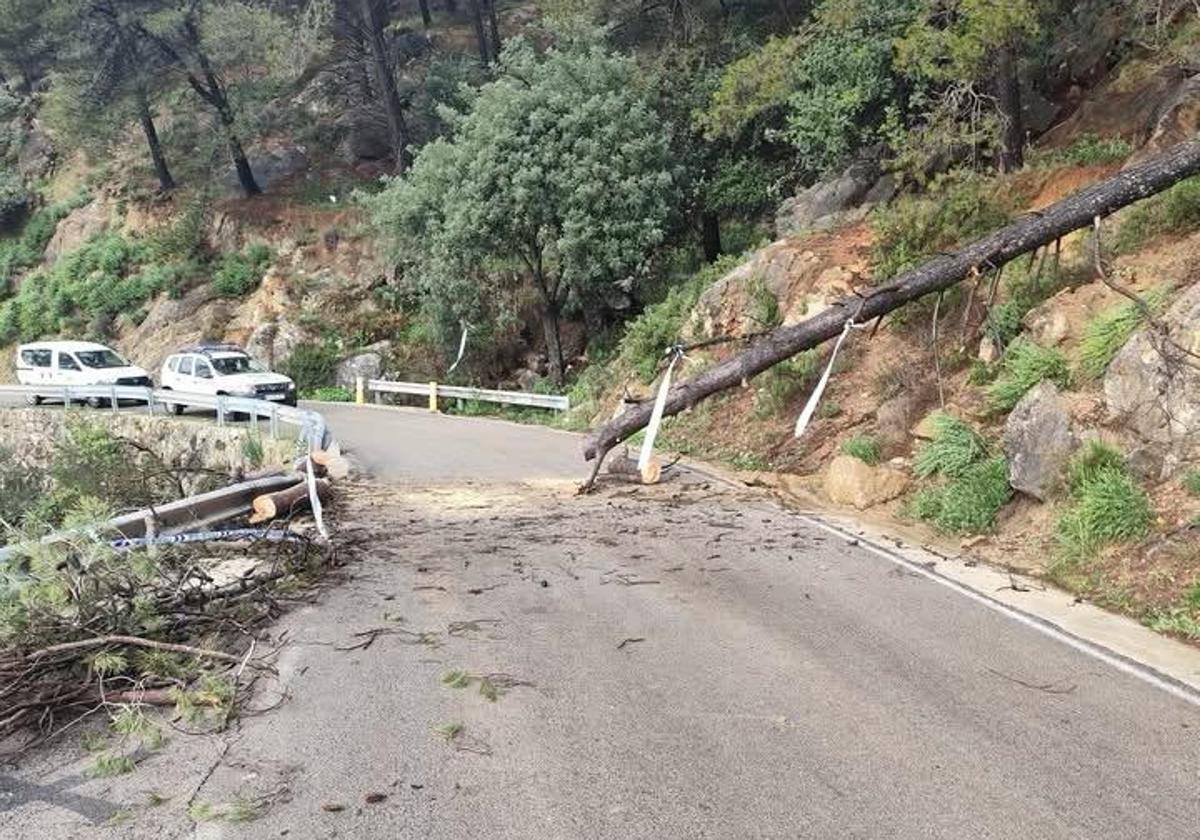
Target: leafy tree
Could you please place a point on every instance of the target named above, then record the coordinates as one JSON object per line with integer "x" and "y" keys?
{"x": 363, "y": 27}
{"x": 558, "y": 173}
{"x": 29, "y": 31}
{"x": 966, "y": 45}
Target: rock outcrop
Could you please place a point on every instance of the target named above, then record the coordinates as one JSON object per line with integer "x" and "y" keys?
{"x": 1038, "y": 441}
{"x": 852, "y": 482}
{"x": 1153, "y": 391}
{"x": 827, "y": 204}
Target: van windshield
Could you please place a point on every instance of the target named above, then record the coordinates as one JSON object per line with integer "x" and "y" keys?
{"x": 100, "y": 359}
{"x": 233, "y": 365}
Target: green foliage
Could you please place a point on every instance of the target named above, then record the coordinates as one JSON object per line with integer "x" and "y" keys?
{"x": 1108, "y": 332}
{"x": 1107, "y": 505}
{"x": 659, "y": 327}
{"x": 329, "y": 393}
{"x": 239, "y": 274}
{"x": 20, "y": 487}
{"x": 742, "y": 186}
{"x": 14, "y": 198}
{"x": 1024, "y": 366}
{"x": 957, "y": 208}
{"x": 776, "y": 388}
{"x": 955, "y": 447}
{"x": 1191, "y": 483}
{"x": 864, "y": 448}
{"x": 958, "y": 44}
{"x": 107, "y": 765}
{"x": 763, "y": 307}
{"x": 1175, "y": 211}
{"x": 826, "y": 91}
{"x": 559, "y": 174}
{"x": 252, "y": 450}
{"x": 1088, "y": 150}
{"x": 967, "y": 503}
{"x": 185, "y": 237}
{"x": 312, "y": 365}
{"x": 1005, "y": 322}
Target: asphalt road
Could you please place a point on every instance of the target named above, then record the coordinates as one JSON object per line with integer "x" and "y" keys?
{"x": 689, "y": 660}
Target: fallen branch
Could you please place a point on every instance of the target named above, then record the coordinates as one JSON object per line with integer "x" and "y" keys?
{"x": 1032, "y": 231}
{"x": 133, "y": 641}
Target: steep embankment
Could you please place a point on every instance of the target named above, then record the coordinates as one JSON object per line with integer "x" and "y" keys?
{"x": 1074, "y": 445}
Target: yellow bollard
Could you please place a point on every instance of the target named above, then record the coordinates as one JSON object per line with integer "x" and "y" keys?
{"x": 360, "y": 391}
{"x": 433, "y": 396}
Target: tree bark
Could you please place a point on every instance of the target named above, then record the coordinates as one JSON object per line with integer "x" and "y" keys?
{"x": 1027, "y": 234}
{"x": 426, "y": 17}
{"x": 494, "y": 26}
{"x": 552, "y": 331}
{"x": 1008, "y": 99}
{"x": 166, "y": 182}
{"x": 452, "y": 6}
{"x": 710, "y": 227}
{"x": 480, "y": 34}
{"x": 385, "y": 80}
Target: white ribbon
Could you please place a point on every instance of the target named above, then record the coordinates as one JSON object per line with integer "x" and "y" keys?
{"x": 811, "y": 407}
{"x": 660, "y": 404}
{"x": 315, "y": 500}
{"x": 462, "y": 348}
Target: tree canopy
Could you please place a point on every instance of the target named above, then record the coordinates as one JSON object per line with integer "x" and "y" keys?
{"x": 559, "y": 171}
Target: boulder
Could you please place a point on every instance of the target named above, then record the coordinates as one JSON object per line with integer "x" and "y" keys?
{"x": 35, "y": 160}
{"x": 895, "y": 417}
{"x": 368, "y": 364}
{"x": 824, "y": 204}
{"x": 849, "y": 481}
{"x": 1178, "y": 120}
{"x": 1038, "y": 441}
{"x": 270, "y": 167}
{"x": 77, "y": 228}
{"x": 1156, "y": 397}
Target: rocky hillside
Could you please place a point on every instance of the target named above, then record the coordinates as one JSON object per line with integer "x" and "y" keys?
{"x": 984, "y": 433}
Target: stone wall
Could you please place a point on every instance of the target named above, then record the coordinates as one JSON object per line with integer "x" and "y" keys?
{"x": 32, "y": 435}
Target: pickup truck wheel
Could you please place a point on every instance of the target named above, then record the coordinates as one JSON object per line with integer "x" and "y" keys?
{"x": 97, "y": 402}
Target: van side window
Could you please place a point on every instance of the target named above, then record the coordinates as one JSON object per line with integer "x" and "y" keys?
{"x": 173, "y": 364}
{"x": 67, "y": 362}
{"x": 36, "y": 358}
{"x": 184, "y": 366}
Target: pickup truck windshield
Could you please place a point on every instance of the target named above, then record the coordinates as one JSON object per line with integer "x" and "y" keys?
{"x": 233, "y": 365}
{"x": 100, "y": 359}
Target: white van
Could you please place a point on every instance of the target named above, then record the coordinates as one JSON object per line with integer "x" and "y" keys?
{"x": 76, "y": 363}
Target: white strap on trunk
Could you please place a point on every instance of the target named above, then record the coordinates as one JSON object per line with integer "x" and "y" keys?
{"x": 810, "y": 408}
{"x": 314, "y": 500}
{"x": 660, "y": 403}
{"x": 462, "y": 348}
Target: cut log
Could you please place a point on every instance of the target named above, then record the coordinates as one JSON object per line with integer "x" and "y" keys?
{"x": 287, "y": 502}
{"x": 626, "y": 468}
{"x": 942, "y": 272}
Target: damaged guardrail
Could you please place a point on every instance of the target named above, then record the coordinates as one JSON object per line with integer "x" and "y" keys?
{"x": 435, "y": 391}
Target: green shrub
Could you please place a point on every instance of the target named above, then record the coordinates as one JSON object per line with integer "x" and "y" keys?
{"x": 312, "y": 365}
{"x": 1191, "y": 482}
{"x": 329, "y": 393}
{"x": 1108, "y": 332}
{"x": 968, "y": 503}
{"x": 741, "y": 185}
{"x": 649, "y": 335}
{"x": 957, "y": 208}
{"x": 864, "y": 448}
{"x": 239, "y": 274}
{"x": 1175, "y": 211}
{"x": 185, "y": 237}
{"x": 764, "y": 306}
{"x": 1005, "y": 322}
{"x": 1024, "y": 366}
{"x": 1088, "y": 150}
{"x": 1108, "y": 506}
{"x": 14, "y": 198}
{"x": 777, "y": 387}
{"x": 954, "y": 449}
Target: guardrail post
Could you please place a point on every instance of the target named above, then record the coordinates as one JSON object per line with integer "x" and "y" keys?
{"x": 274, "y": 422}
{"x": 220, "y": 411}
{"x": 360, "y": 390}
{"x": 112, "y": 400}
{"x": 433, "y": 396}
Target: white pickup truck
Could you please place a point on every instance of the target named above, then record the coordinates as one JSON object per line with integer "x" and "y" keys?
{"x": 75, "y": 363}
{"x": 223, "y": 370}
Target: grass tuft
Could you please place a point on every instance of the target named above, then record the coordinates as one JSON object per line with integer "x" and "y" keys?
{"x": 1191, "y": 483}
{"x": 954, "y": 448}
{"x": 864, "y": 448}
{"x": 969, "y": 503}
{"x": 1025, "y": 365}
{"x": 1108, "y": 505}
{"x": 1108, "y": 332}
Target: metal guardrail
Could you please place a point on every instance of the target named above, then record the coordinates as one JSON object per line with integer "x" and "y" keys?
{"x": 310, "y": 425}
{"x": 435, "y": 391}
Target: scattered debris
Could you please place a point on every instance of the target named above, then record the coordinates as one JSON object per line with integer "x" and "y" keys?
{"x": 631, "y": 640}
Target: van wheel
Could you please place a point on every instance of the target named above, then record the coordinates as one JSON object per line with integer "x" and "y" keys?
{"x": 176, "y": 408}
{"x": 33, "y": 399}
{"x": 97, "y": 402}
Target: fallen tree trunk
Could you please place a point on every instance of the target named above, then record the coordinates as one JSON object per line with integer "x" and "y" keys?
{"x": 1028, "y": 234}
{"x": 287, "y": 502}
